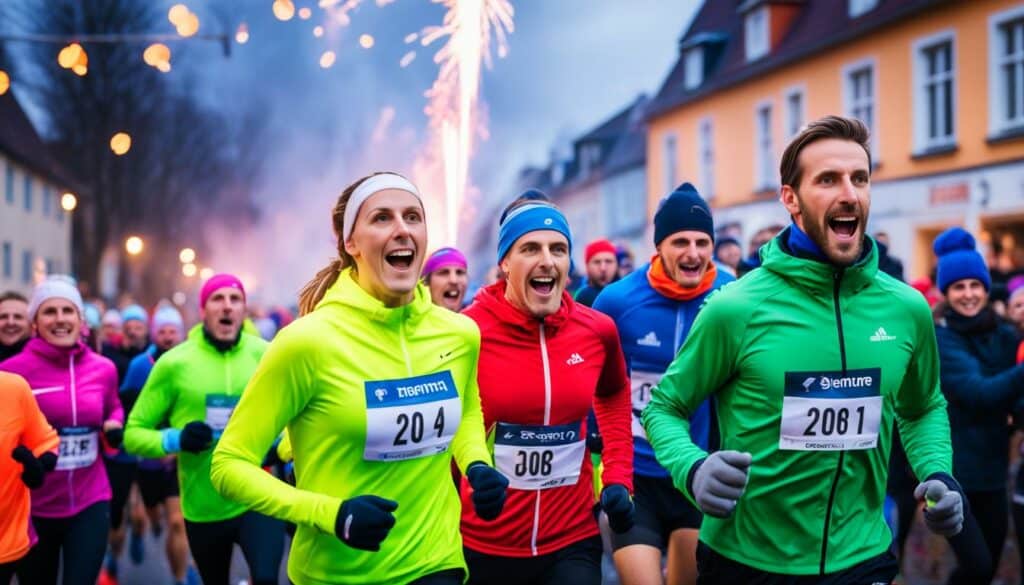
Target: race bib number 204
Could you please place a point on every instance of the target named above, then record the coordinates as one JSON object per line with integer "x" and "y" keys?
{"x": 831, "y": 411}
{"x": 411, "y": 417}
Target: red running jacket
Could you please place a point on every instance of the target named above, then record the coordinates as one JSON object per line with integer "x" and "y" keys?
{"x": 548, "y": 373}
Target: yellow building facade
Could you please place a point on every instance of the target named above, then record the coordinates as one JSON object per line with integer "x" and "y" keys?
{"x": 941, "y": 90}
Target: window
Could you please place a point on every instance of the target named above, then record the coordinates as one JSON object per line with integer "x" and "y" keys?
{"x": 26, "y": 267}
{"x": 47, "y": 195}
{"x": 28, "y": 192}
{"x": 1006, "y": 71}
{"x": 794, "y": 111}
{"x": 859, "y": 7}
{"x": 765, "y": 178}
{"x": 670, "y": 154}
{"x": 9, "y": 183}
{"x": 935, "y": 87}
{"x": 590, "y": 157}
{"x": 755, "y": 28}
{"x": 8, "y": 260}
{"x": 859, "y": 97}
{"x": 707, "y": 160}
{"x": 51, "y": 266}
{"x": 694, "y": 68}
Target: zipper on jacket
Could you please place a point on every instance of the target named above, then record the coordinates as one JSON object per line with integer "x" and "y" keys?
{"x": 74, "y": 422}
{"x": 405, "y": 348}
{"x": 837, "y": 279}
{"x": 678, "y": 341}
{"x": 547, "y": 421}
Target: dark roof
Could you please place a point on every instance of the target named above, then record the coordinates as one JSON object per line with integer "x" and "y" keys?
{"x": 819, "y": 26}
{"x": 21, "y": 143}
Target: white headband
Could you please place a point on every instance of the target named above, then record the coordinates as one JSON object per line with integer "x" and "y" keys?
{"x": 374, "y": 184}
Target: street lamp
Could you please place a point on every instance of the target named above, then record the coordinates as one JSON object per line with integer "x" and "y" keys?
{"x": 206, "y": 273}
{"x": 68, "y": 201}
{"x": 187, "y": 255}
{"x": 133, "y": 245}
{"x": 189, "y": 269}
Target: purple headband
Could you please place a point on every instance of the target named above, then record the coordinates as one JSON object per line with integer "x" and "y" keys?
{"x": 444, "y": 257}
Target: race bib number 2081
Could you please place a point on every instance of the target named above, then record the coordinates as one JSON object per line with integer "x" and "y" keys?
{"x": 831, "y": 411}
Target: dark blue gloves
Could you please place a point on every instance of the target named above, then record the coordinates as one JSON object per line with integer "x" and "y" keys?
{"x": 114, "y": 437}
{"x": 489, "y": 487}
{"x": 617, "y": 504}
{"x": 196, "y": 437}
{"x": 363, "y": 522}
{"x": 33, "y": 470}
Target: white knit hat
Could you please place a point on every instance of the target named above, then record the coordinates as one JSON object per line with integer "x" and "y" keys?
{"x": 56, "y": 286}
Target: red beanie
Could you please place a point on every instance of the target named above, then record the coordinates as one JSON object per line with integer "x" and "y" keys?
{"x": 596, "y": 247}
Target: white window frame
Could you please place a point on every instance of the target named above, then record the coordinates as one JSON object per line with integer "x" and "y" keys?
{"x": 997, "y": 123}
{"x": 694, "y": 68}
{"x": 793, "y": 126}
{"x": 764, "y": 172}
{"x": 670, "y": 154}
{"x": 706, "y": 142}
{"x": 859, "y": 7}
{"x": 922, "y": 142}
{"x": 756, "y": 41}
{"x": 848, "y": 100}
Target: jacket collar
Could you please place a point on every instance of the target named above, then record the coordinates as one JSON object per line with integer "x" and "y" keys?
{"x": 492, "y": 299}
{"x": 819, "y": 277}
{"x": 51, "y": 353}
{"x": 346, "y": 292}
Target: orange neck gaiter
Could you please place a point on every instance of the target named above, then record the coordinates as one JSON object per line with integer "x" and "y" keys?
{"x": 669, "y": 288}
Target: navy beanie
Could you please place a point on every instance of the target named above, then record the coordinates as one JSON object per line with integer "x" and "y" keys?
{"x": 683, "y": 209}
{"x": 958, "y": 259}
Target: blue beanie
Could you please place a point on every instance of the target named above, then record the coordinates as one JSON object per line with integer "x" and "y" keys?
{"x": 134, "y": 313}
{"x": 531, "y": 217}
{"x": 958, "y": 259}
{"x": 683, "y": 209}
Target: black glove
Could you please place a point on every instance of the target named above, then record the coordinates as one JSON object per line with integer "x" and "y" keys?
{"x": 49, "y": 461}
{"x": 114, "y": 437}
{"x": 33, "y": 473}
{"x": 196, "y": 436}
{"x": 617, "y": 504}
{"x": 489, "y": 487}
{"x": 363, "y": 522}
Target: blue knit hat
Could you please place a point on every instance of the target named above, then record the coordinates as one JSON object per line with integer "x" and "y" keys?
{"x": 683, "y": 209}
{"x": 530, "y": 218}
{"x": 958, "y": 259}
{"x": 134, "y": 313}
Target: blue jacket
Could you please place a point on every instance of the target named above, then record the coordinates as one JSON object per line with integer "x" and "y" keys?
{"x": 652, "y": 328}
{"x": 981, "y": 383}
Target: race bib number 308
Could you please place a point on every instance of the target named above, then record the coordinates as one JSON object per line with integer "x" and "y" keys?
{"x": 831, "y": 411}
{"x": 539, "y": 457}
{"x": 411, "y": 417}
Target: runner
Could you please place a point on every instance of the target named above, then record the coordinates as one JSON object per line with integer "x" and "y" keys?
{"x": 14, "y": 326}
{"x": 28, "y": 449}
{"x": 76, "y": 390}
{"x": 122, "y": 468}
{"x": 654, "y": 309}
{"x": 445, "y": 274}
{"x": 158, "y": 478}
{"x": 195, "y": 387}
{"x": 811, "y": 359}
{"x": 602, "y": 269}
{"x": 544, "y": 361}
{"x": 377, "y": 387}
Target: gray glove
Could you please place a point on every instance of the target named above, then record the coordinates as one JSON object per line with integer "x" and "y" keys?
{"x": 944, "y": 508}
{"x": 720, "y": 481}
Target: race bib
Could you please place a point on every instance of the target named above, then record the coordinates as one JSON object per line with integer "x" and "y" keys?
{"x": 642, "y": 383}
{"x": 411, "y": 417}
{"x": 831, "y": 411}
{"x": 538, "y": 457}
{"x": 218, "y": 410}
{"x": 79, "y": 447}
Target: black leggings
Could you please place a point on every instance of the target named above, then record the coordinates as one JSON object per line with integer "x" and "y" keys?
{"x": 260, "y": 537}
{"x": 81, "y": 538}
{"x": 579, "y": 564}
{"x": 6, "y": 572}
{"x": 121, "y": 476}
{"x": 979, "y": 545}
